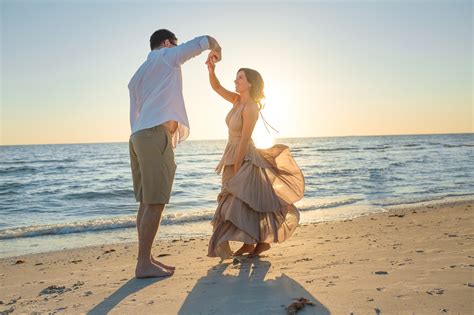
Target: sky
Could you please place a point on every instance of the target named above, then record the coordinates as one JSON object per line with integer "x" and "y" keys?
{"x": 331, "y": 68}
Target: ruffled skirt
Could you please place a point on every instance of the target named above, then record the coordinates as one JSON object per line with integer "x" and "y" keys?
{"x": 256, "y": 204}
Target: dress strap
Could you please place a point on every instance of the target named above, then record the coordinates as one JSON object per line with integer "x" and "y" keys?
{"x": 265, "y": 123}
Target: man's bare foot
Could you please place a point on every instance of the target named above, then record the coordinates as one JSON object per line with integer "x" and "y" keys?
{"x": 260, "y": 248}
{"x": 162, "y": 265}
{"x": 150, "y": 270}
{"x": 246, "y": 248}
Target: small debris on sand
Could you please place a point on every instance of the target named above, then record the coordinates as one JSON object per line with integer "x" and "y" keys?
{"x": 300, "y": 303}
{"x": 10, "y": 310}
{"x": 77, "y": 284}
{"x": 437, "y": 291}
{"x": 13, "y": 301}
{"x": 54, "y": 289}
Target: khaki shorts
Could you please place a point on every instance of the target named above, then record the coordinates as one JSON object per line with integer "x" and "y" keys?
{"x": 153, "y": 165}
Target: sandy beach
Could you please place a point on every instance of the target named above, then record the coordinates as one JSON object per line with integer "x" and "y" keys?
{"x": 415, "y": 259}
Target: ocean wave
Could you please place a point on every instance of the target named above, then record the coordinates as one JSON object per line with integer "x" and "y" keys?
{"x": 22, "y": 162}
{"x": 306, "y": 206}
{"x": 201, "y": 154}
{"x": 9, "y": 192}
{"x": 198, "y": 174}
{"x": 412, "y": 145}
{"x": 342, "y": 172}
{"x": 182, "y": 218}
{"x": 383, "y": 147}
{"x": 346, "y": 172}
{"x": 123, "y": 162}
{"x": 100, "y": 225}
{"x": 17, "y": 170}
{"x": 115, "y": 179}
{"x": 67, "y": 228}
{"x": 447, "y": 145}
{"x": 11, "y": 185}
{"x": 337, "y": 149}
{"x": 27, "y": 169}
{"x": 88, "y": 195}
{"x": 412, "y": 200}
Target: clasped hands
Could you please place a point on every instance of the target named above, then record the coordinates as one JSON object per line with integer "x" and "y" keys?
{"x": 213, "y": 57}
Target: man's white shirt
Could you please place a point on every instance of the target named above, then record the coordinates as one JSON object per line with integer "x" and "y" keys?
{"x": 156, "y": 89}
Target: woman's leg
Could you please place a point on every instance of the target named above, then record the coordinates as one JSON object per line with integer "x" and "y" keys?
{"x": 246, "y": 248}
{"x": 260, "y": 248}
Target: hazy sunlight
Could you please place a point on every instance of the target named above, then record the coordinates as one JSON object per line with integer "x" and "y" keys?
{"x": 276, "y": 104}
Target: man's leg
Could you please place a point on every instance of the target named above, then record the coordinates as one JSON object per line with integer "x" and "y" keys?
{"x": 141, "y": 211}
{"x": 150, "y": 221}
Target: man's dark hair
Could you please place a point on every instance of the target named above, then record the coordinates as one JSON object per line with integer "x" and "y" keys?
{"x": 160, "y": 36}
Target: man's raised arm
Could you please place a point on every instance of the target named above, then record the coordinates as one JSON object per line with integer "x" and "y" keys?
{"x": 180, "y": 54}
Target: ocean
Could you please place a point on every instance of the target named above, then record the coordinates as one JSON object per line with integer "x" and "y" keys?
{"x": 75, "y": 195}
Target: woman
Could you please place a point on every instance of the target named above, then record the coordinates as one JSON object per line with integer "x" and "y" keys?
{"x": 259, "y": 187}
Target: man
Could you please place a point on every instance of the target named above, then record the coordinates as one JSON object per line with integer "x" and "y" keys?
{"x": 158, "y": 121}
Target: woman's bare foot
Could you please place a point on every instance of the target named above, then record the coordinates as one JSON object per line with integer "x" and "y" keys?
{"x": 162, "y": 265}
{"x": 246, "y": 248}
{"x": 150, "y": 270}
{"x": 260, "y": 248}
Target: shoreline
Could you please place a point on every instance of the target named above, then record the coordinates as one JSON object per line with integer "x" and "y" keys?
{"x": 411, "y": 259}
{"x": 202, "y": 229}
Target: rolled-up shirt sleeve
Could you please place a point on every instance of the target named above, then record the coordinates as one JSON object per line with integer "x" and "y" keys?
{"x": 178, "y": 55}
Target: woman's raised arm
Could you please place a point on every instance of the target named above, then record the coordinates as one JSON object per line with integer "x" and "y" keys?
{"x": 215, "y": 84}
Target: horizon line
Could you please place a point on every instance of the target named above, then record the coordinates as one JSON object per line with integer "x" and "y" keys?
{"x": 345, "y": 136}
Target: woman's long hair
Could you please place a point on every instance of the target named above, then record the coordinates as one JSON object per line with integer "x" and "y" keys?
{"x": 256, "y": 90}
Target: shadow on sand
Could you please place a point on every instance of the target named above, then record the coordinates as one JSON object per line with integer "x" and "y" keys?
{"x": 128, "y": 288}
{"x": 247, "y": 292}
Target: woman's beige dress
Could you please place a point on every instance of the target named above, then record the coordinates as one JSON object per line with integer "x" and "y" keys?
{"x": 256, "y": 204}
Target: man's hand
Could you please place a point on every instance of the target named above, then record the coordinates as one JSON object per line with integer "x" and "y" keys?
{"x": 214, "y": 55}
{"x": 217, "y": 54}
{"x": 215, "y": 48}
